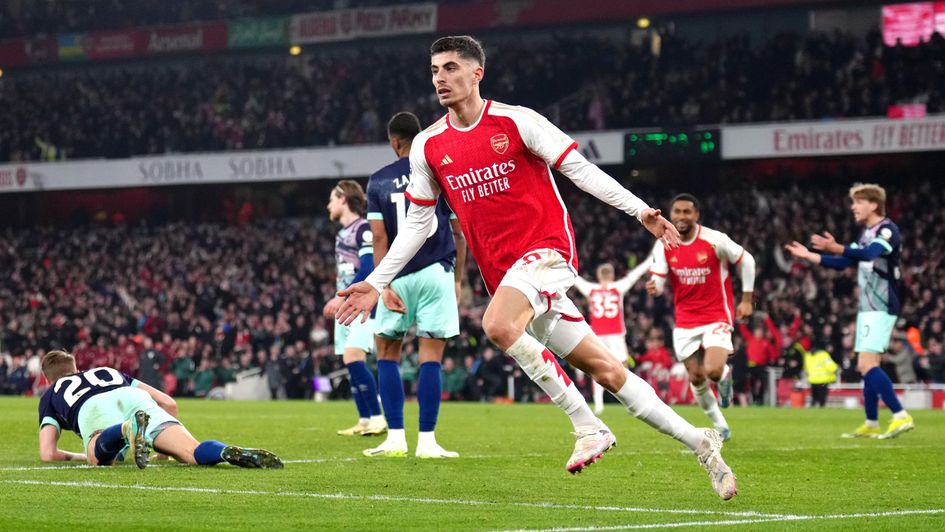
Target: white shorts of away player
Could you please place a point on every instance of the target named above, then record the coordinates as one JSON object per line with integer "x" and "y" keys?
{"x": 687, "y": 341}
{"x": 616, "y": 344}
{"x": 544, "y": 277}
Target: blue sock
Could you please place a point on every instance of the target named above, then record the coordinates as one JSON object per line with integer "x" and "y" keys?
{"x": 429, "y": 388}
{"x": 110, "y": 442}
{"x": 870, "y": 400}
{"x": 367, "y": 389}
{"x": 209, "y": 452}
{"x": 882, "y": 386}
{"x": 392, "y": 392}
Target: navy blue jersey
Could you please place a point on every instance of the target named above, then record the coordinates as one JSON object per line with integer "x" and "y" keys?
{"x": 879, "y": 279}
{"x": 62, "y": 401}
{"x": 387, "y": 202}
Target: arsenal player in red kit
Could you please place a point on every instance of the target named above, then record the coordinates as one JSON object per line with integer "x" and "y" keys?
{"x": 605, "y": 302}
{"x": 493, "y": 163}
{"x": 705, "y": 307}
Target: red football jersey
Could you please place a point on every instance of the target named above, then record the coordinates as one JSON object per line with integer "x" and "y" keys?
{"x": 699, "y": 273}
{"x": 605, "y": 301}
{"x": 496, "y": 178}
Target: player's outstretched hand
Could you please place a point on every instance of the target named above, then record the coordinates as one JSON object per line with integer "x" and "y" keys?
{"x": 826, "y": 242}
{"x": 393, "y": 302}
{"x": 332, "y": 306}
{"x": 660, "y": 227}
{"x": 744, "y": 310}
{"x": 359, "y": 299}
{"x": 651, "y": 287}
{"x": 798, "y": 250}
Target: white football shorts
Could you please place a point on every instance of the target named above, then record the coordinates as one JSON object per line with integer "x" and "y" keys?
{"x": 544, "y": 277}
{"x": 687, "y": 341}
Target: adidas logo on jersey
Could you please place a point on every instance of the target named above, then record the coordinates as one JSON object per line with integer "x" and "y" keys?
{"x": 446, "y": 160}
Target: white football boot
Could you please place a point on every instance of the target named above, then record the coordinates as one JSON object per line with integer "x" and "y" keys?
{"x": 709, "y": 454}
{"x": 590, "y": 447}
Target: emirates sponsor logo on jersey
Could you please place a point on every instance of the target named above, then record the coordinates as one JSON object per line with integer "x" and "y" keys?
{"x": 500, "y": 143}
{"x": 481, "y": 182}
{"x": 692, "y": 276}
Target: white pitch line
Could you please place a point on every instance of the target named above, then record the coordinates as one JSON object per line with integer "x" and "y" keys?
{"x": 77, "y": 466}
{"x": 462, "y": 456}
{"x": 299, "y": 461}
{"x": 764, "y": 519}
{"x": 389, "y": 498}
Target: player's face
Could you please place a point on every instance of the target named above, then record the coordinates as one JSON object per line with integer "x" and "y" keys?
{"x": 684, "y": 216}
{"x": 336, "y": 206}
{"x": 454, "y": 78}
{"x": 862, "y": 209}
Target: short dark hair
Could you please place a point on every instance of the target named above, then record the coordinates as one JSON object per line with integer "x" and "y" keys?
{"x": 352, "y": 192}
{"x": 467, "y": 47}
{"x": 404, "y": 126}
{"x": 685, "y": 196}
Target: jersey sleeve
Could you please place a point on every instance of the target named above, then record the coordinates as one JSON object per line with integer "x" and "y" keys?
{"x": 659, "y": 268}
{"x": 728, "y": 250}
{"x": 365, "y": 240}
{"x": 658, "y": 264}
{"x": 543, "y": 138}
{"x": 47, "y": 416}
{"x": 888, "y": 236}
{"x": 374, "y": 211}
{"x": 422, "y": 189}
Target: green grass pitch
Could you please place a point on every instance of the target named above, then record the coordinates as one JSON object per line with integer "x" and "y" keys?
{"x": 794, "y": 473}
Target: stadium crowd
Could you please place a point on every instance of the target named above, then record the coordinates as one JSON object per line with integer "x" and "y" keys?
{"x": 185, "y": 307}
{"x": 24, "y": 18}
{"x": 341, "y": 94}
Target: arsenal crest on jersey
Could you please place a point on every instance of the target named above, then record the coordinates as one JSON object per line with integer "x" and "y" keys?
{"x": 500, "y": 143}
{"x": 702, "y": 256}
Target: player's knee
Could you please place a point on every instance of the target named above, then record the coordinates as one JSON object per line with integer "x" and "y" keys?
{"x": 714, "y": 373}
{"x": 501, "y": 333}
{"x": 863, "y": 365}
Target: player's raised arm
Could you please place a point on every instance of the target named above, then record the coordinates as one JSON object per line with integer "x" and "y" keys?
{"x": 625, "y": 283}
{"x": 557, "y": 149}
{"x": 583, "y": 285}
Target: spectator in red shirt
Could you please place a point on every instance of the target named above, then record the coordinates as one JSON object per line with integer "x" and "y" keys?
{"x": 653, "y": 366}
{"x": 761, "y": 349}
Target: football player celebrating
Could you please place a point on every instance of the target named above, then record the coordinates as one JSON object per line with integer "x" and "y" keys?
{"x": 493, "y": 163}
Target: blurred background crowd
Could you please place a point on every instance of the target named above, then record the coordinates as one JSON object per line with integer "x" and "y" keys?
{"x": 187, "y": 306}
{"x": 344, "y": 94}
{"x": 186, "y": 302}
